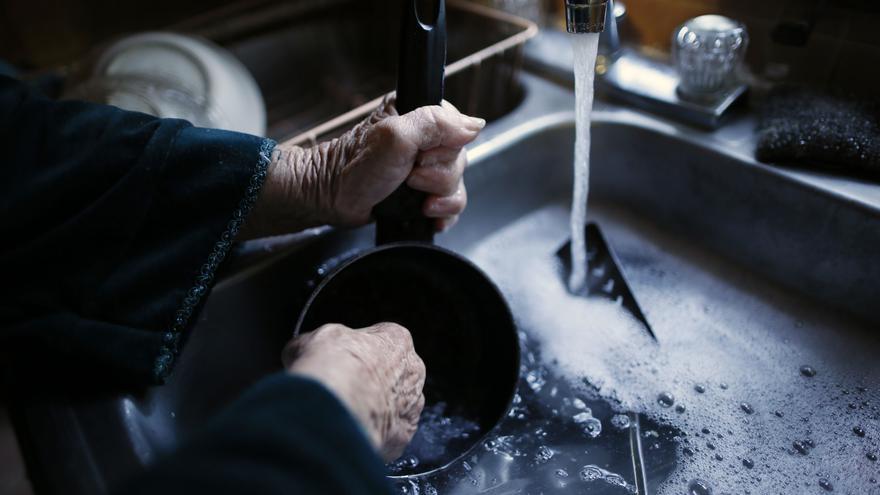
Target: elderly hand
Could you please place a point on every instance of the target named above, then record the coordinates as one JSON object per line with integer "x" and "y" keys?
{"x": 340, "y": 181}
{"x": 374, "y": 371}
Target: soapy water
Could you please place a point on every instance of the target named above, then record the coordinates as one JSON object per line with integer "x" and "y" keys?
{"x": 554, "y": 439}
{"x": 779, "y": 406}
{"x": 439, "y": 432}
{"x": 585, "y": 47}
{"x": 726, "y": 410}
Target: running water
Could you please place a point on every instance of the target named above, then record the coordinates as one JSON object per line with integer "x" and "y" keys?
{"x": 585, "y": 47}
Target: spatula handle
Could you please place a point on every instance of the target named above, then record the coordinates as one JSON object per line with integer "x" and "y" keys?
{"x": 419, "y": 83}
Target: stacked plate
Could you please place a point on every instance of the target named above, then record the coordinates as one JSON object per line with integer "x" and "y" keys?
{"x": 177, "y": 76}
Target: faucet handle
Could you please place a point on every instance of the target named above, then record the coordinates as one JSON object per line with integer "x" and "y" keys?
{"x": 707, "y": 51}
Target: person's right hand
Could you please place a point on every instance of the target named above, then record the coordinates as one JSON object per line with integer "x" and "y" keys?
{"x": 338, "y": 182}
{"x": 374, "y": 371}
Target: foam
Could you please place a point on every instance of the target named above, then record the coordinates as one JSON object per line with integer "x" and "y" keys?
{"x": 710, "y": 345}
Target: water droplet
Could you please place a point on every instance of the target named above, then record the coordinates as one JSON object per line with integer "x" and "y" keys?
{"x": 503, "y": 445}
{"x": 543, "y": 455}
{"x": 699, "y": 388}
{"x": 620, "y": 421}
{"x": 699, "y": 487}
{"x": 800, "y": 447}
{"x": 593, "y": 428}
{"x": 616, "y": 480}
{"x": 665, "y": 399}
{"x": 778, "y": 414}
{"x": 748, "y": 463}
{"x": 582, "y": 417}
{"x": 718, "y": 457}
{"x": 679, "y": 409}
{"x": 723, "y": 386}
{"x": 747, "y": 408}
{"x": 852, "y": 405}
{"x": 403, "y": 464}
{"x": 858, "y": 431}
{"x": 826, "y": 485}
{"x": 710, "y": 445}
{"x": 871, "y": 456}
{"x": 536, "y": 380}
{"x": 705, "y": 431}
{"x": 562, "y": 473}
{"x": 687, "y": 451}
{"x": 591, "y": 473}
{"x": 808, "y": 371}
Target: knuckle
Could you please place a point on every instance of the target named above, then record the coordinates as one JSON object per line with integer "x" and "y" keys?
{"x": 397, "y": 331}
{"x": 447, "y": 105}
{"x": 330, "y": 330}
{"x": 419, "y": 364}
{"x": 462, "y": 161}
{"x": 431, "y": 122}
{"x": 291, "y": 351}
{"x": 430, "y": 114}
{"x": 391, "y": 327}
{"x": 450, "y": 184}
{"x": 384, "y": 131}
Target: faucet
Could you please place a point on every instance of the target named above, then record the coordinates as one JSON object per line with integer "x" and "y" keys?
{"x": 637, "y": 79}
{"x": 594, "y": 16}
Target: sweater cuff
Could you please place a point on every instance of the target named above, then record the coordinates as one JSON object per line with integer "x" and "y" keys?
{"x": 195, "y": 144}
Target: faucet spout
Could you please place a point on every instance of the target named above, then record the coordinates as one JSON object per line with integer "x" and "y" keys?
{"x": 587, "y": 16}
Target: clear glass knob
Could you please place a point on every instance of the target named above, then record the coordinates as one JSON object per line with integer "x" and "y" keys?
{"x": 707, "y": 50}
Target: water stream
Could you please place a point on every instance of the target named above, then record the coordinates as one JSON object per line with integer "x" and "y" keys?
{"x": 585, "y": 47}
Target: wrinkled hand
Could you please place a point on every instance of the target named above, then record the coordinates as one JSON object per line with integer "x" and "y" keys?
{"x": 374, "y": 371}
{"x": 340, "y": 181}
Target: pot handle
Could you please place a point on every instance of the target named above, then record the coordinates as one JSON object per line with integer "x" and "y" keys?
{"x": 419, "y": 83}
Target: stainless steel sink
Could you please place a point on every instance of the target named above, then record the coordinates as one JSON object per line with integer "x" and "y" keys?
{"x": 660, "y": 191}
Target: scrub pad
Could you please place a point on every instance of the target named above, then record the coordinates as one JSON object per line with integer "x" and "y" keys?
{"x": 822, "y": 131}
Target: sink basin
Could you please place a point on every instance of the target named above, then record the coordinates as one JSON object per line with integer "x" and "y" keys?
{"x": 668, "y": 199}
{"x": 316, "y": 61}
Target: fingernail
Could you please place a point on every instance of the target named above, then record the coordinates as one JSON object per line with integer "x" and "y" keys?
{"x": 474, "y": 123}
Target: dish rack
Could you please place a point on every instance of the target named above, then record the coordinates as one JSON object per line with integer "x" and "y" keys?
{"x": 323, "y": 65}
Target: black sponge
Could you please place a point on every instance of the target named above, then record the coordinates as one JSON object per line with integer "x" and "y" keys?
{"x": 822, "y": 131}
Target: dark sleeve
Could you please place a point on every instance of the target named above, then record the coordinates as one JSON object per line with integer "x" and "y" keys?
{"x": 114, "y": 224}
{"x": 287, "y": 435}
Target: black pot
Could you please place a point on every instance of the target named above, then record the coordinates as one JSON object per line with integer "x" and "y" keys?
{"x": 461, "y": 325}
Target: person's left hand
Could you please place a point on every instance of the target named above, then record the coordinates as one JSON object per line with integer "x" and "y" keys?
{"x": 340, "y": 181}
{"x": 374, "y": 371}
